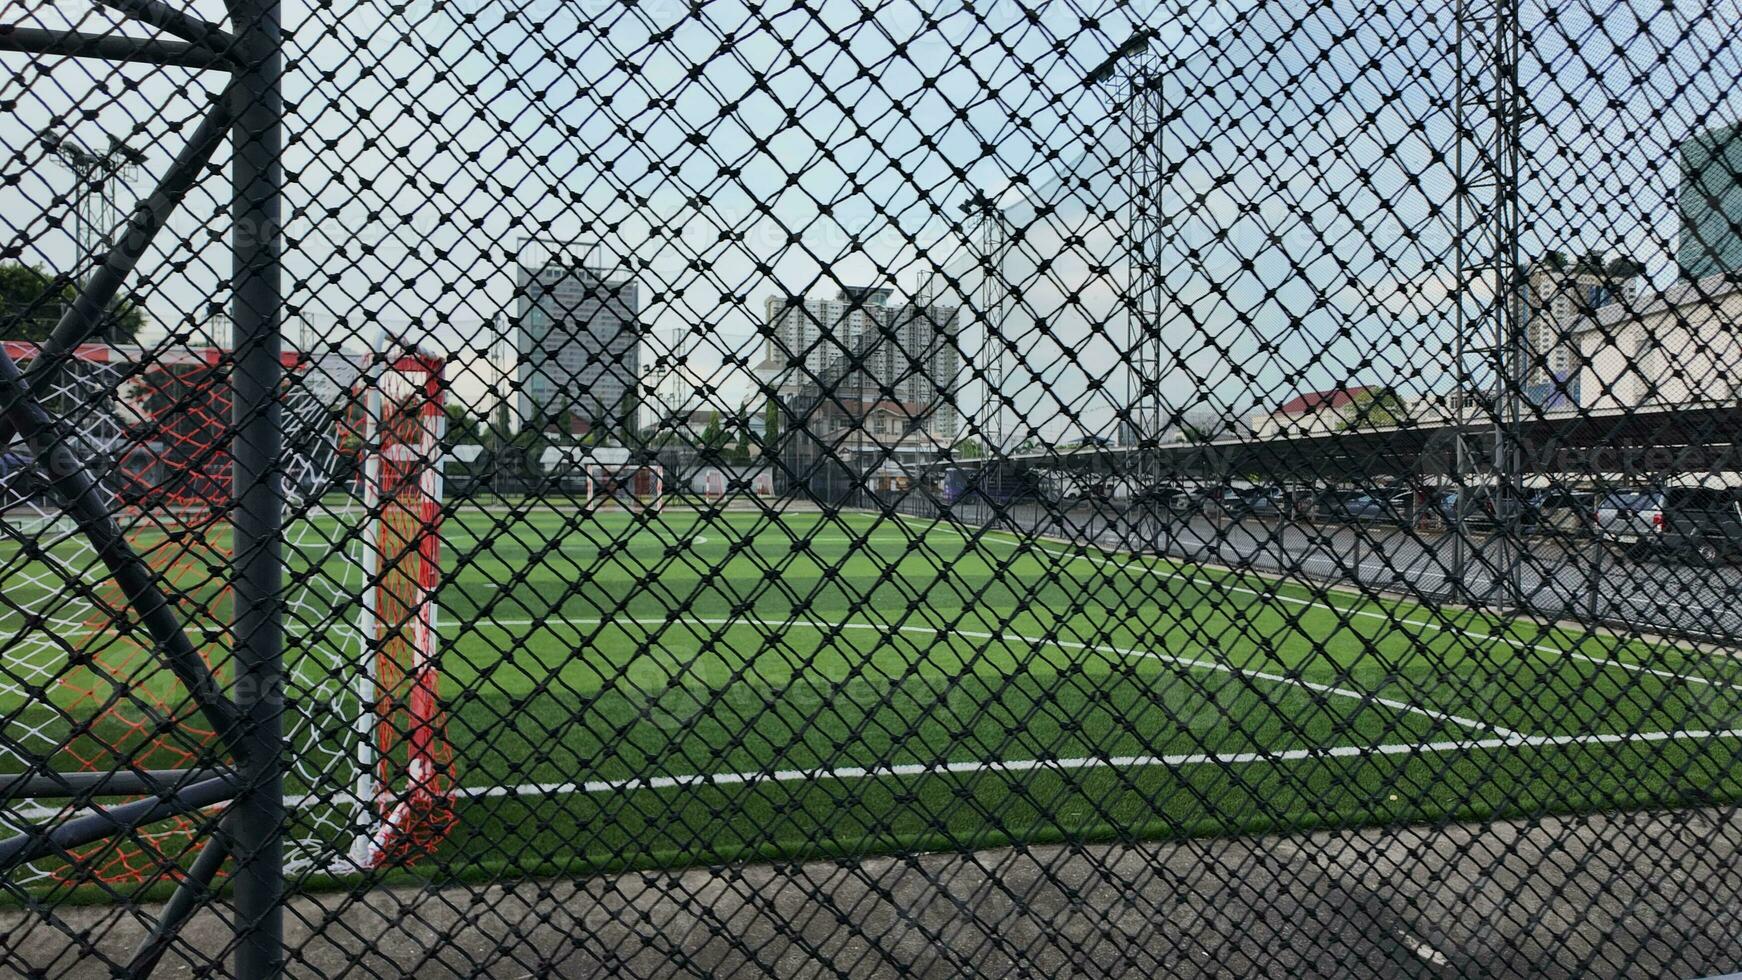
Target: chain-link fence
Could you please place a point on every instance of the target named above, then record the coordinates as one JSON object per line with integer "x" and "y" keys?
{"x": 841, "y": 489}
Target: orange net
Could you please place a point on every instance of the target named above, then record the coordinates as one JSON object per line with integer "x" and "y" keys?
{"x": 154, "y": 427}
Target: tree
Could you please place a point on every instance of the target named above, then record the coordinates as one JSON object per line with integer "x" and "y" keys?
{"x": 713, "y": 434}
{"x": 770, "y": 421}
{"x": 626, "y": 425}
{"x": 738, "y": 452}
{"x": 737, "y": 437}
{"x": 31, "y": 304}
{"x": 463, "y": 426}
{"x": 1375, "y": 407}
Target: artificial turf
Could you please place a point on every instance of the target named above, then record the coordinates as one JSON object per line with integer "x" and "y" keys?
{"x": 638, "y": 689}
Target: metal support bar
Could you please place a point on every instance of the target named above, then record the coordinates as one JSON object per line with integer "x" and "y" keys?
{"x": 257, "y": 243}
{"x": 85, "y": 503}
{"x": 60, "y": 785}
{"x": 110, "y": 47}
{"x": 194, "y": 889}
{"x": 39, "y": 843}
{"x": 178, "y": 22}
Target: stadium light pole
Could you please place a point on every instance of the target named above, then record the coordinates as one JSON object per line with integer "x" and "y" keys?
{"x": 994, "y": 246}
{"x": 1504, "y": 404}
{"x": 1489, "y": 100}
{"x": 1141, "y": 102}
{"x": 95, "y": 176}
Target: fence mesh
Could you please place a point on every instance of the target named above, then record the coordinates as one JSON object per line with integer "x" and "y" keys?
{"x": 837, "y": 489}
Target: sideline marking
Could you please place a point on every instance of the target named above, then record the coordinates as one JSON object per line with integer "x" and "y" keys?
{"x": 752, "y": 778}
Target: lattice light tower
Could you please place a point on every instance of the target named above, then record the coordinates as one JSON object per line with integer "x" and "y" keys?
{"x": 96, "y": 177}
{"x": 993, "y": 231}
{"x": 1132, "y": 79}
{"x": 1488, "y": 346}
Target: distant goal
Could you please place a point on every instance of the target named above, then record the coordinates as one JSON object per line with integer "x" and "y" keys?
{"x": 626, "y": 486}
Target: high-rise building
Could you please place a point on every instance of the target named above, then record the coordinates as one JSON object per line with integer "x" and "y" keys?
{"x": 908, "y": 352}
{"x": 579, "y": 346}
{"x": 1711, "y": 203}
{"x": 1560, "y": 293}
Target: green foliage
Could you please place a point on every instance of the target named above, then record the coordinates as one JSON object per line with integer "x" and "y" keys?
{"x": 713, "y": 434}
{"x": 1376, "y": 407}
{"x": 463, "y": 426}
{"x": 1594, "y": 262}
{"x": 30, "y": 304}
{"x": 771, "y": 421}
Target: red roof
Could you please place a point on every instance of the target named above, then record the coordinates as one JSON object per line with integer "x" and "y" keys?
{"x": 1315, "y": 401}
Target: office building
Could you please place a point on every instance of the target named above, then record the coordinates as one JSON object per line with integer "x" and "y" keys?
{"x": 1675, "y": 349}
{"x": 579, "y": 345}
{"x": 893, "y": 365}
{"x": 1710, "y": 202}
{"x": 1559, "y": 294}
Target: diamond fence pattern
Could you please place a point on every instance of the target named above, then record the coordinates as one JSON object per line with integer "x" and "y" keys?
{"x": 839, "y": 489}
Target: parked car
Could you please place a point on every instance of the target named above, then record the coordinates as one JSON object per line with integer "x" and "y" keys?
{"x": 1165, "y": 500}
{"x": 1273, "y": 502}
{"x": 1562, "y": 513}
{"x": 1703, "y": 522}
{"x": 1481, "y": 509}
{"x": 1331, "y": 503}
{"x": 1700, "y": 522}
{"x": 1630, "y": 517}
{"x": 1234, "y": 503}
{"x": 1381, "y": 506}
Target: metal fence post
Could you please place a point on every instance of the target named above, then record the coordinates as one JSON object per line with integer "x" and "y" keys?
{"x": 257, "y": 182}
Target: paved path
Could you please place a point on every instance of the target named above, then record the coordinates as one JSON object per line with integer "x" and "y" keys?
{"x": 1628, "y": 895}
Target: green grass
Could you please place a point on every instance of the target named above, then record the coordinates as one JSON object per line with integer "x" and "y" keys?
{"x": 824, "y": 672}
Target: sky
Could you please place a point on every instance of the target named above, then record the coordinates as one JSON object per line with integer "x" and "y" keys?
{"x": 720, "y": 153}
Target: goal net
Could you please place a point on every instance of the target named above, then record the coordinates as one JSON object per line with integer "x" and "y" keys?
{"x": 81, "y": 687}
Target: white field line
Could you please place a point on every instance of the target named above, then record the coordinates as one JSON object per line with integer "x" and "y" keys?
{"x": 1652, "y": 603}
{"x": 941, "y": 529}
{"x": 1508, "y": 739}
{"x": 689, "y": 540}
{"x": 757, "y": 777}
{"x": 1369, "y": 614}
{"x": 1061, "y": 644}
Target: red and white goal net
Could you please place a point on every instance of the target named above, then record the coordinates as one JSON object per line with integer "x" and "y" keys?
{"x": 80, "y": 685}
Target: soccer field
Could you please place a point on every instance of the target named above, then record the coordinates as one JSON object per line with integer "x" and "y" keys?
{"x": 631, "y": 690}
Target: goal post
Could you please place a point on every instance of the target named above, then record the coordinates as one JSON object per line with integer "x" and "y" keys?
{"x": 403, "y": 790}
{"x": 369, "y": 772}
